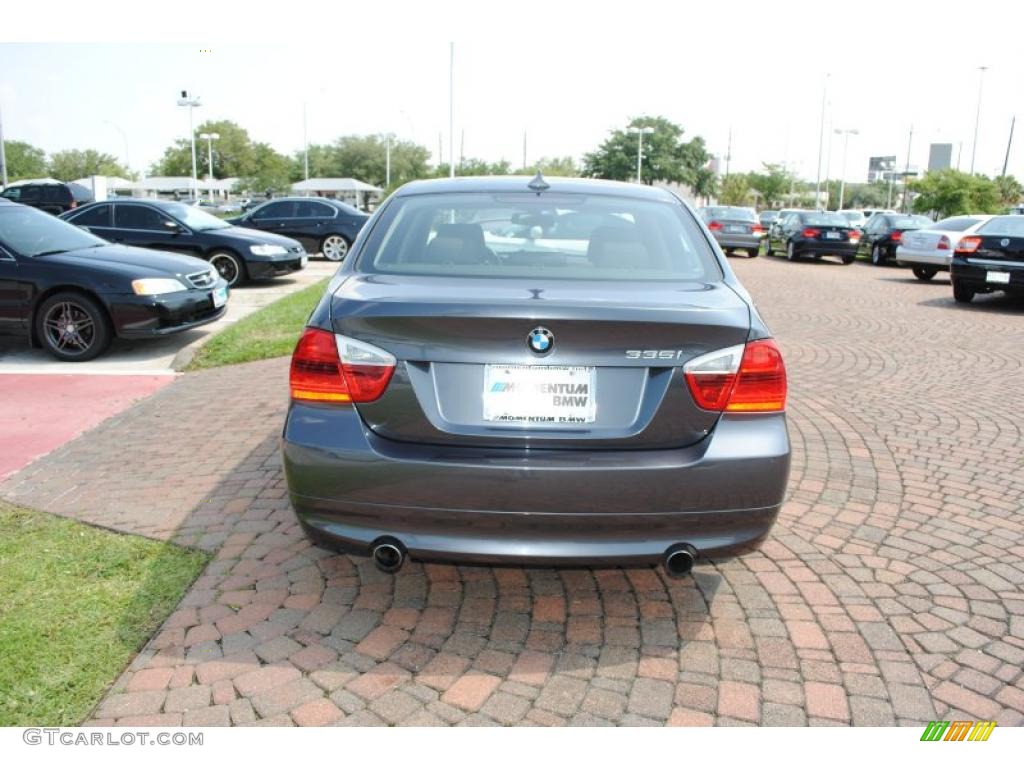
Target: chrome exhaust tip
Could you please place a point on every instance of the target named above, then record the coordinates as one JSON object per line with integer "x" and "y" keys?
{"x": 388, "y": 555}
{"x": 679, "y": 560}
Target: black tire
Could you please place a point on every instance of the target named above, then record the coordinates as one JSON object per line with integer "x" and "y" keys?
{"x": 753, "y": 252}
{"x": 767, "y": 246}
{"x": 849, "y": 258}
{"x": 962, "y": 294}
{"x": 791, "y": 253}
{"x": 229, "y": 266}
{"x": 334, "y": 247}
{"x": 877, "y": 256}
{"x": 925, "y": 273}
{"x": 72, "y": 327}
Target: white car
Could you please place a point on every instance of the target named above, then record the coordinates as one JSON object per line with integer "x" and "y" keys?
{"x": 930, "y": 250}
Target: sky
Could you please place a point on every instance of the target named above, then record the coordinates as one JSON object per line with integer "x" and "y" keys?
{"x": 564, "y": 73}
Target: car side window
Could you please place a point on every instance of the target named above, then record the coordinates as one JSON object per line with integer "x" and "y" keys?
{"x": 310, "y": 209}
{"x": 12, "y": 193}
{"x": 96, "y": 216}
{"x": 55, "y": 194}
{"x": 140, "y": 217}
{"x": 30, "y": 193}
{"x": 282, "y": 210}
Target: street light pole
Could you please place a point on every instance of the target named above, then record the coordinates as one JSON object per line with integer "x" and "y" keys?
{"x": 977, "y": 116}
{"x": 305, "y": 141}
{"x": 3, "y": 155}
{"x": 640, "y": 149}
{"x": 191, "y": 102}
{"x": 209, "y": 147}
{"x": 387, "y": 163}
{"x": 451, "y": 110}
{"x": 846, "y": 143}
{"x": 821, "y": 140}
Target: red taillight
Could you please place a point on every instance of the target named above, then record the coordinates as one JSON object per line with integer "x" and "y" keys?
{"x": 943, "y": 243}
{"x": 757, "y": 229}
{"x": 747, "y": 378}
{"x": 714, "y": 226}
{"x": 74, "y": 204}
{"x": 359, "y": 374}
{"x": 968, "y": 244}
{"x": 897, "y": 236}
{"x": 811, "y": 232}
{"x": 854, "y": 235}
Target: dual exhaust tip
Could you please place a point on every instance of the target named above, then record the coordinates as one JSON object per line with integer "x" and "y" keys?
{"x": 389, "y": 555}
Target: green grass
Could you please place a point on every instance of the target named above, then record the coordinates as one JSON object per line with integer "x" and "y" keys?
{"x": 268, "y": 332}
{"x": 76, "y": 604}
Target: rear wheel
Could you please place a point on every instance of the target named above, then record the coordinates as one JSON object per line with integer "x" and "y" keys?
{"x": 877, "y": 257}
{"x": 790, "y": 251}
{"x": 849, "y": 258}
{"x": 767, "y": 246}
{"x": 962, "y": 294}
{"x": 334, "y": 248}
{"x": 72, "y": 327}
{"x": 229, "y": 267}
{"x": 925, "y": 273}
{"x": 753, "y": 252}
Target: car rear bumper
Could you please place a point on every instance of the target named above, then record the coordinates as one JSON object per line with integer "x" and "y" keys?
{"x": 738, "y": 241}
{"x": 926, "y": 258}
{"x": 350, "y": 487}
{"x": 976, "y": 275}
{"x": 138, "y": 317}
{"x": 825, "y": 248}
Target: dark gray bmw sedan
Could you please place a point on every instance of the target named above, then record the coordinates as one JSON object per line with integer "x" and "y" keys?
{"x": 560, "y": 372}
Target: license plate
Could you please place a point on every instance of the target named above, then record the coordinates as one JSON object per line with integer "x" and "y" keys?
{"x": 303, "y": 260}
{"x": 997, "y": 277}
{"x": 534, "y": 394}
{"x": 832, "y": 235}
{"x": 735, "y": 228}
{"x": 220, "y": 296}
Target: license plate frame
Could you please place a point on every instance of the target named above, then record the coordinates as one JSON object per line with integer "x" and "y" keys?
{"x": 833, "y": 236}
{"x": 539, "y": 395}
{"x": 219, "y": 296}
{"x": 997, "y": 278}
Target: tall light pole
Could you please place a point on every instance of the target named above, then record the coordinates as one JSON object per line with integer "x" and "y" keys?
{"x": 640, "y": 132}
{"x": 846, "y": 133}
{"x": 3, "y": 156}
{"x": 821, "y": 139}
{"x": 209, "y": 137}
{"x": 305, "y": 142}
{"x": 191, "y": 102}
{"x": 977, "y": 116}
{"x": 387, "y": 160}
{"x": 1009, "y": 141}
{"x": 451, "y": 110}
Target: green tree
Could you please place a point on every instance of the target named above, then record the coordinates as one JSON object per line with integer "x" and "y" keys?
{"x": 1010, "y": 190}
{"x": 365, "y": 158}
{"x": 874, "y": 195}
{"x": 705, "y": 184}
{"x": 735, "y": 190}
{"x": 666, "y": 157}
{"x": 71, "y": 164}
{"x": 551, "y": 166}
{"x": 772, "y": 184}
{"x": 272, "y": 170}
{"x": 949, "y": 193}
{"x": 24, "y": 161}
{"x": 234, "y": 154}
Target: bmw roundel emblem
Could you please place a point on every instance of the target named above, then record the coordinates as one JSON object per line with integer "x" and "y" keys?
{"x": 1004, "y": 242}
{"x": 540, "y": 340}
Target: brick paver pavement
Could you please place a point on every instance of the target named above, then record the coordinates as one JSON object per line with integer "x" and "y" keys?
{"x": 889, "y": 593}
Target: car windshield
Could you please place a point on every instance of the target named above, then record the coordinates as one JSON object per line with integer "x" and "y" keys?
{"x": 825, "y": 220}
{"x": 32, "y": 232}
{"x": 193, "y": 217}
{"x": 854, "y": 216}
{"x": 525, "y": 235}
{"x": 1003, "y": 226}
{"x": 730, "y": 212}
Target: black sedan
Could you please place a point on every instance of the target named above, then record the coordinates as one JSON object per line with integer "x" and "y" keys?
{"x": 883, "y": 234}
{"x": 72, "y": 293}
{"x": 319, "y": 223}
{"x": 239, "y": 254}
{"x": 814, "y": 233}
{"x": 992, "y": 259}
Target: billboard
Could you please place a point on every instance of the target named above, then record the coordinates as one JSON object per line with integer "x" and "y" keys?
{"x": 881, "y": 168}
{"x": 940, "y": 157}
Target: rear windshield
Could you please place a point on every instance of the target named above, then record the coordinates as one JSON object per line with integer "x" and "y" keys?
{"x": 956, "y": 223}
{"x": 1003, "y": 226}
{"x": 730, "y": 212}
{"x": 909, "y": 222}
{"x": 525, "y": 235}
{"x": 852, "y": 215}
{"x": 825, "y": 220}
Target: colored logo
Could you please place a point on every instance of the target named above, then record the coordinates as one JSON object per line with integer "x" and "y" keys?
{"x": 540, "y": 340}
{"x": 958, "y": 730}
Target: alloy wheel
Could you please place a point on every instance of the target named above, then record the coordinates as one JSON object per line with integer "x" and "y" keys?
{"x": 226, "y": 266}
{"x": 334, "y": 248}
{"x": 70, "y": 328}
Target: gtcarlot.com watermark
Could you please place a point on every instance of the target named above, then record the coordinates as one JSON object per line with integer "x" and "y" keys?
{"x": 77, "y": 738}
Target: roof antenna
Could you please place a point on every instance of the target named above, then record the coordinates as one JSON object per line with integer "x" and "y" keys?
{"x": 538, "y": 183}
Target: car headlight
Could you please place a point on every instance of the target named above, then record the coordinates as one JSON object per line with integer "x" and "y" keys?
{"x": 268, "y": 250}
{"x": 153, "y": 286}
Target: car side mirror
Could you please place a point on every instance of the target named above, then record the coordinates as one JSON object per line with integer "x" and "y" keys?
{"x": 172, "y": 226}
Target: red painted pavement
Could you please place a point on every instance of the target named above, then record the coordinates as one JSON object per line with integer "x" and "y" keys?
{"x": 39, "y": 413}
